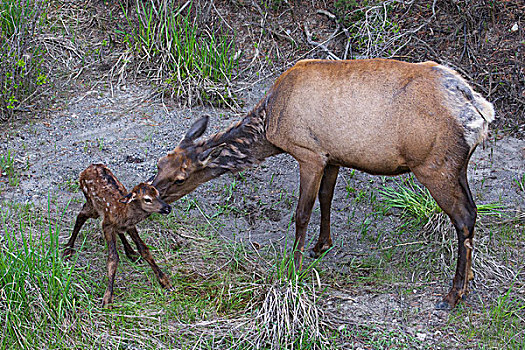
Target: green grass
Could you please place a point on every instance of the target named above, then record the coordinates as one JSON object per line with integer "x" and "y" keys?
{"x": 370, "y": 337}
{"x": 39, "y": 294}
{"x": 417, "y": 205}
{"x": 191, "y": 62}
{"x": 22, "y": 73}
{"x": 226, "y": 295}
{"x": 499, "y": 325}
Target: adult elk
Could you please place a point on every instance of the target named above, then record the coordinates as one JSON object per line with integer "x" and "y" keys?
{"x": 384, "y": 117}
{"x": 121, "y": 211}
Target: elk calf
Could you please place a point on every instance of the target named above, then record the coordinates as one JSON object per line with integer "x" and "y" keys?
{"x": 106, "y": 197}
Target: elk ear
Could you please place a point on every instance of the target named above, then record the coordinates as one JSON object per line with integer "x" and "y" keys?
{"x": 210, "y": 154}
{"x": 196, "y": 130}
{"x": 128, "y": 198}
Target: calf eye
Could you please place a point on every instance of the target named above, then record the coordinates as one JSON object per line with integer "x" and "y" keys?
{"x": 179, "y": 181}
{"x": 147, "y": 200}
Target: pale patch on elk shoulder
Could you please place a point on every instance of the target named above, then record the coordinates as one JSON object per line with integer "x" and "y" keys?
{"x": 106, "y": 197}
{"x": 384, "y": 117}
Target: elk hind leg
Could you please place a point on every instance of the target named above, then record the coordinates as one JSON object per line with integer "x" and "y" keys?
{"x": 326, "y": 194}
{"x": 453, "y": 195}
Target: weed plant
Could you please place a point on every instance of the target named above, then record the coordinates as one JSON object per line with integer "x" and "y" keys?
{"x": 189, "y": 62}
{"x": 21, "y": 70}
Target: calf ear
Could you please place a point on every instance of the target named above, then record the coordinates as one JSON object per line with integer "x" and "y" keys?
{"x": 196, "y": 130}
{"x": 128, "y": 198}
{"x": 150, "y": 180}
{"x": 210, "y": 154}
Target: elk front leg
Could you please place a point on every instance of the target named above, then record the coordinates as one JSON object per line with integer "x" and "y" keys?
{"x": 145, "y": 253}
{"x": 311, "y": 173}
{"x": 112, "y": 263}
{"x": 326, "y": 194}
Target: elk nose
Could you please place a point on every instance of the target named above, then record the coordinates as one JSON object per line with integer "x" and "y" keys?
{"x": 166, "y": 209}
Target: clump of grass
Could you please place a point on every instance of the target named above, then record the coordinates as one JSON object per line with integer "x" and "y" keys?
{"x": 417, "y": 205}
{"x": 21, "y": 70}
{"x": 501, "y": 325}
{"x": 287, "y": 314}
{"x": 414, "y": 201}
{"x": 188, "y": 62}
{"x": 520, "y": 182}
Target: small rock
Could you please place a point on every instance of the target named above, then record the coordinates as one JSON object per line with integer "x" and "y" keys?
{"x": 421, "y": 336}
{"x": 515, "y": 27}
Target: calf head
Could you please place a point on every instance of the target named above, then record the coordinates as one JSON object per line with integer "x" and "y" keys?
{"x": 147, "y": 198}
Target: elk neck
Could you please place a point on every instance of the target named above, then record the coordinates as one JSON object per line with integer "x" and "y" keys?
{"x": 244, "y": 143}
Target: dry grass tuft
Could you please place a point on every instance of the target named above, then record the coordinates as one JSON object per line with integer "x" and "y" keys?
{"x": 288, "y": 316}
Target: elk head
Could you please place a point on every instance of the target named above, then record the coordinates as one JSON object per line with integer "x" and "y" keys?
{"x": 185, "y": 168}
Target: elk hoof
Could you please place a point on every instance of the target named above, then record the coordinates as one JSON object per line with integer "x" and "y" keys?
{"x": 443, "y": 305}
{"x": 317, "y": 251}
{"x": 313, "y": 254}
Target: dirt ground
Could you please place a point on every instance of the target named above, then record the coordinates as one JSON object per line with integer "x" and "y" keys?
{"x": 129, "y": 131}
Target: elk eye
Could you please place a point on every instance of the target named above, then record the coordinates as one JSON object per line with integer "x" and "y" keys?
{"x": 179, "y": 181}
{"x": 147, "y": 200}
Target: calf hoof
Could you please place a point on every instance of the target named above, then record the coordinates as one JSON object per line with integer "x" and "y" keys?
{"x": 67, "y": 253}
{"x": 134, "y": 257}
{"x": 166, "y": 283}
{"x": 107, "y": 304}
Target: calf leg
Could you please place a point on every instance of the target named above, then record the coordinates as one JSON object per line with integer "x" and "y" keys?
{"x": 453, "y": 195}
{"x": 130, "y": 252}
{"x": 145, "y": 253}
{"x": 87, "y": 212}
{"x": 326, "y": 194}
{"x": 112, "y": 262}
